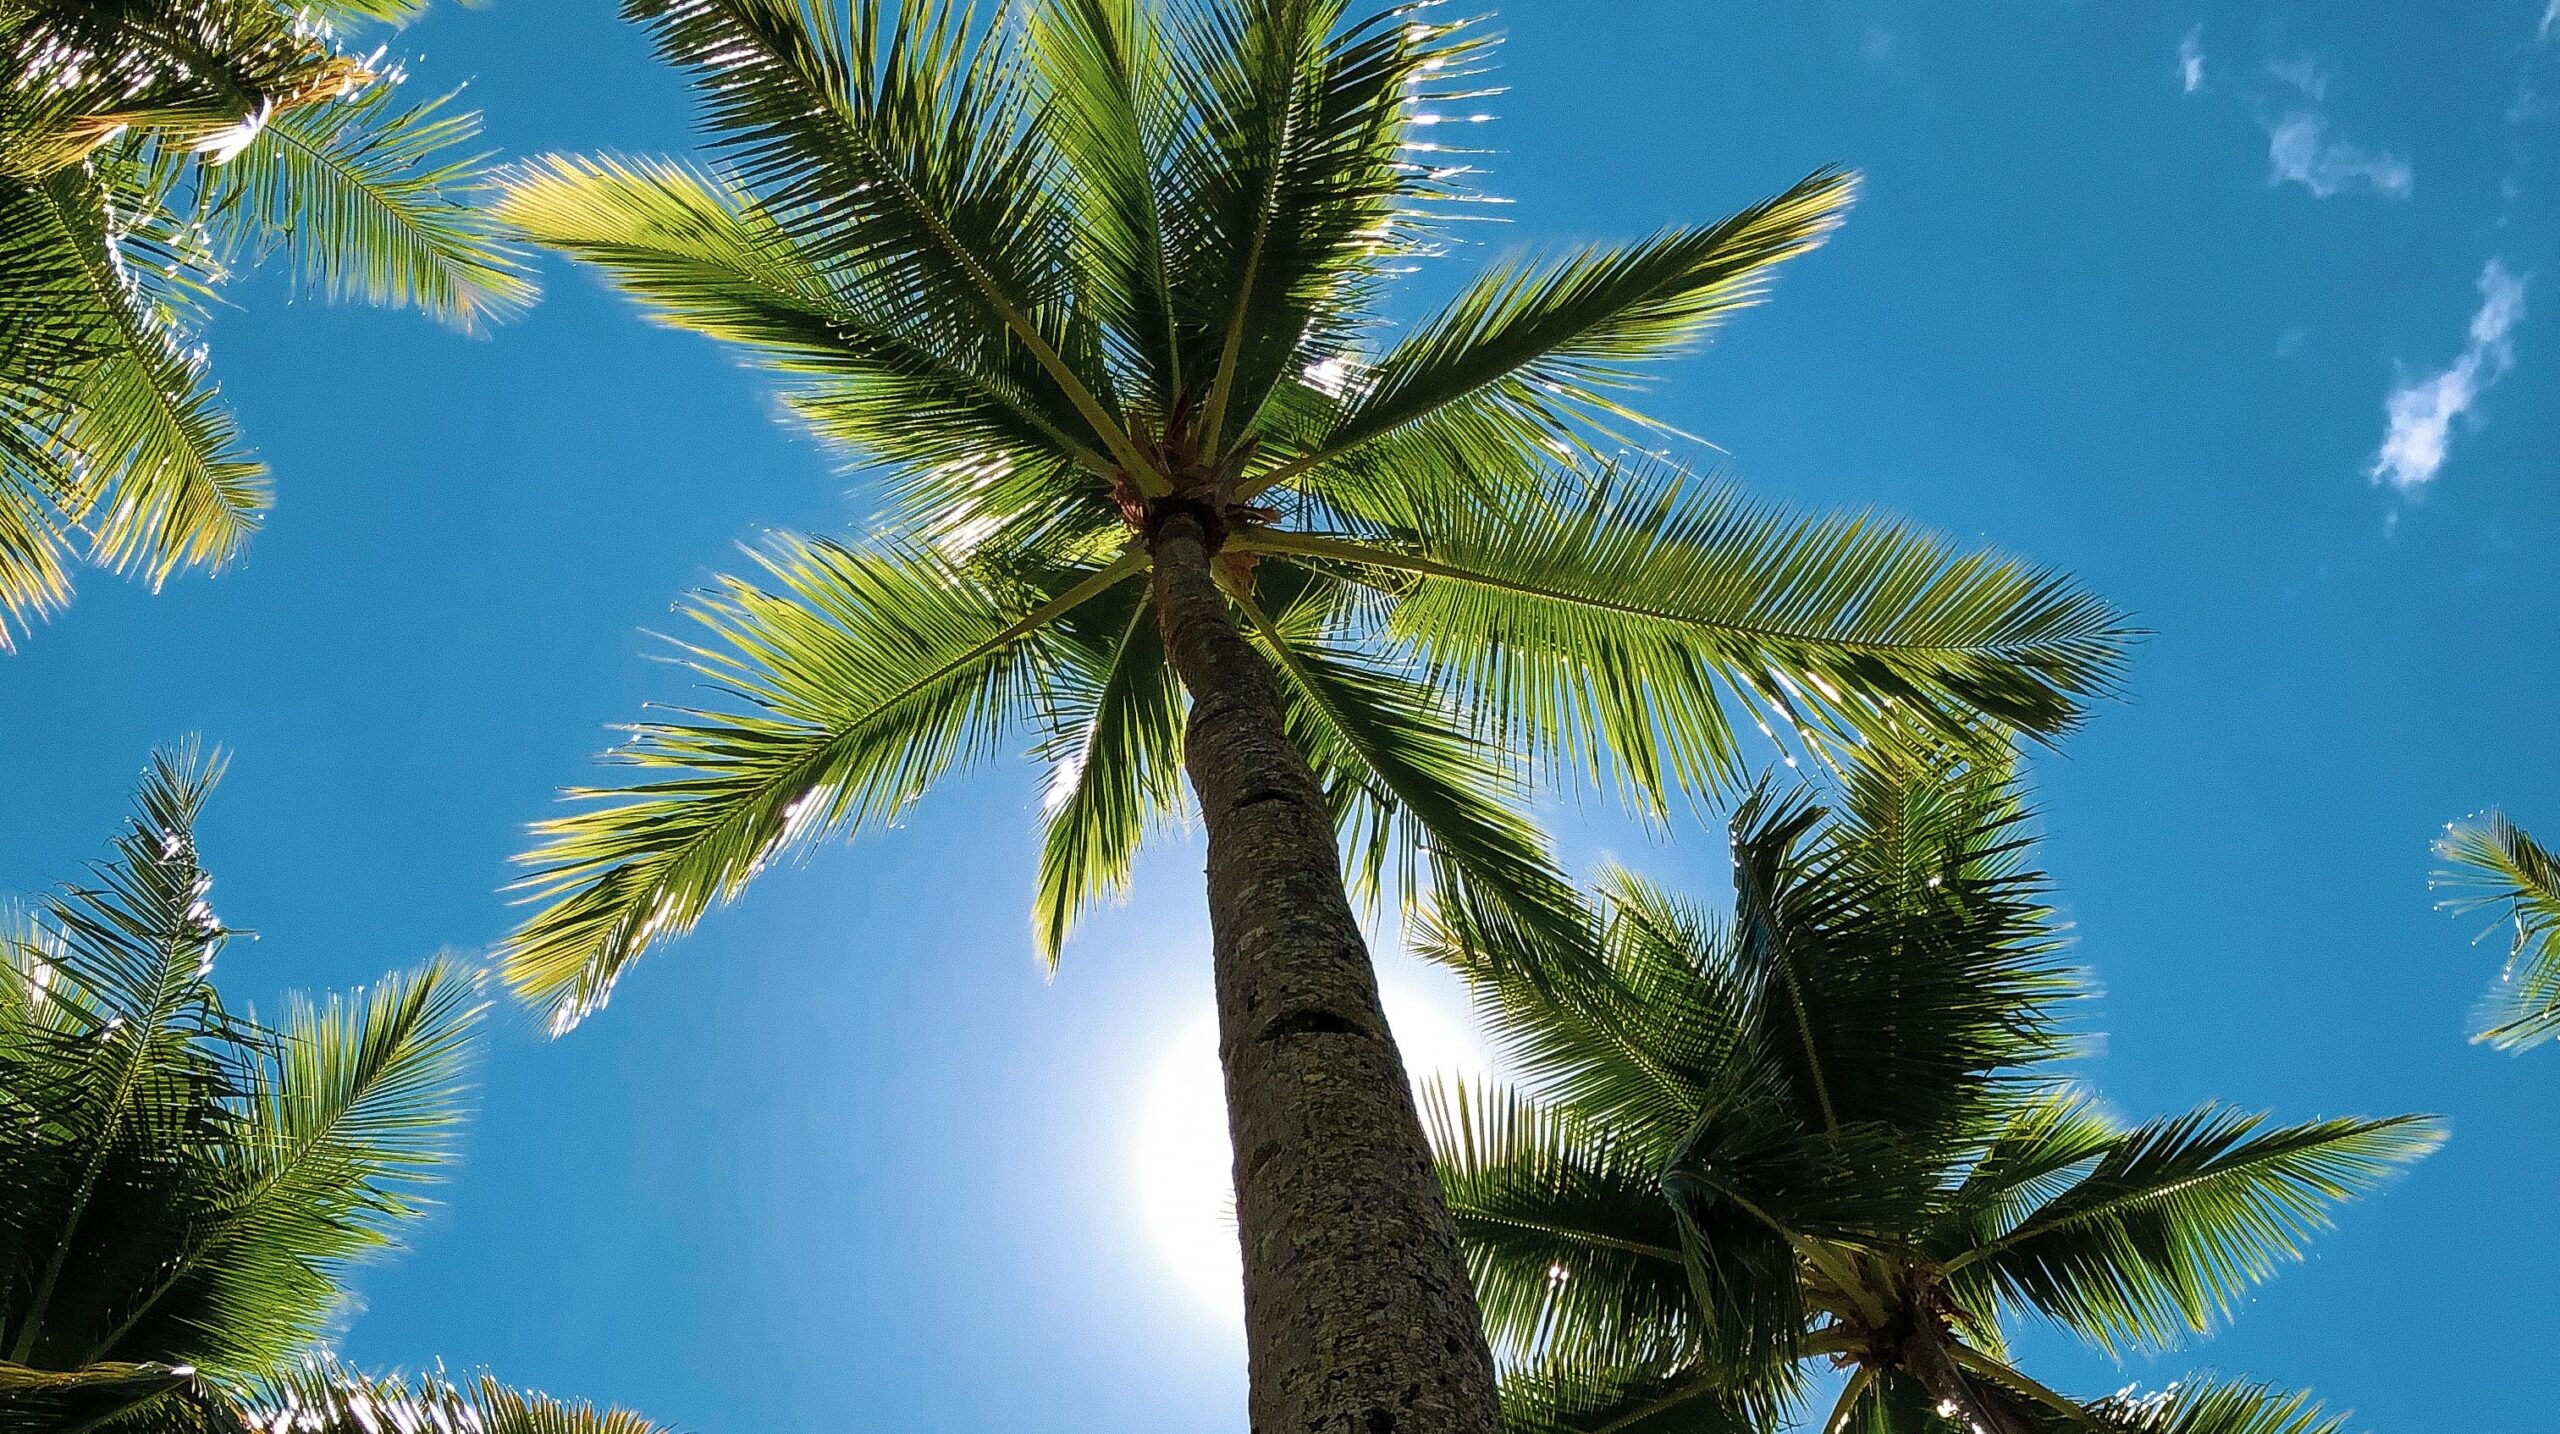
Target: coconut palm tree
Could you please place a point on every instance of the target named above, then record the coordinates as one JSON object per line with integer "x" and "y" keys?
{"x": 184, "y": 1189}
{"x": 1095, "y": 287}
{"x": 147, "y": 147}
{"x": 2494, "y": 865}
{"x": 1831, "y": 1127}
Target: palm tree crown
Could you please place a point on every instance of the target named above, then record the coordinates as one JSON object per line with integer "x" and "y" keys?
{"x": 1832, "y": 1126}
{"x": 183, "y": 1188}
{"x": 1102, "y": 264}
{"x": 146, "y": 148}
{"x": 2492, "y": 864}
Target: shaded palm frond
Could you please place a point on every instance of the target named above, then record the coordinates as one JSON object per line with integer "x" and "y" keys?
{"x": 1572, "y": 1247}
{"x": 1584, "y": 1397}
{"x": 2494, "y": 865}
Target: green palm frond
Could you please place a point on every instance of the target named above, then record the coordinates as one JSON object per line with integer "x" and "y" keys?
{"x": 857, "y": 677}
{"x": 1586, "y": 1397}
{"x": 2494, "y": 865}
{"x": 1289, "y": 192}
{"x": 371, "y": 200}
{"x": 2207, "y": 1406}
{"x": 1531, "y": 354}
{"x": 323, "y": 1397}
{"x": 106, "y": 1395}
{"x": 1641, "y": 1022}
{"x": 1904, "y": 956}
{"x": 180, "y": 1186}
{"x": 1108, "y": 112}
{"x": 1571, "y": 1245}
{"x": 2182, "y": 1215}
{"x": 161, "y": 477}
{"x": 1628, "y": 627}
{"x": 1404, "y": 778}
{"x": 894, "y": 141}
{"x": 703, "y": 256}
{"x": 1114, "y": 750}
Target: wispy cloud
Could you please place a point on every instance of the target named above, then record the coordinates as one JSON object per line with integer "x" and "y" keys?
{"x": 2191, "y": 57}
{"x": 2550, "y": 21}
{"x": 2422, "y": 411}
{"x": 2302, "y": 150}
{"x": 2303, "y": 73}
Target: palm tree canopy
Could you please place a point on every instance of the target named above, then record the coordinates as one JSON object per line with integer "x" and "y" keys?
{"x": 2494, "y": 865}
{"x": 146, "y": 148}
{"x": 1057, "y": 277}
{"x": 1832, "y": 1123}
{"x": 183, "y": 1186}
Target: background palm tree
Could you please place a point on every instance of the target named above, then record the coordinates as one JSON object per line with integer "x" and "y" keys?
{"x": 1097, "y": 288}
{"x": 1831, "y": 1126}
{"x": 183, "y": 1188}
{"x": 147, "y": 147}
{"x": 2495, "y": 865}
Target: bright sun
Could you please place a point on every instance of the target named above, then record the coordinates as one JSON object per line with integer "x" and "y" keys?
{"x": 1184, "y": 1176}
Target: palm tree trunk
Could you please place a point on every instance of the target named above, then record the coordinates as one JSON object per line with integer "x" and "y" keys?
{"x": 1359, "y": 1317}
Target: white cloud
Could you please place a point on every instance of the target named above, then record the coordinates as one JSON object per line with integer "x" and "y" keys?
{"x": 2422, "y": 412}
{"x": 2301, "y": 150}
{"x": 2303, "y": 73}
{"x": 2191, "y": 57}
{"x": 2550, "y": 20}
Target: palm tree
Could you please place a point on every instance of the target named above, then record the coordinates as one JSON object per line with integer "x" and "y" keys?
{"x": 2495, "y": 865}
{"x": 182, "y": 1188}
{"x": 1096, "y": 288}
{"x": 1831, "y": 1126}
{"x": 146, "y": 148}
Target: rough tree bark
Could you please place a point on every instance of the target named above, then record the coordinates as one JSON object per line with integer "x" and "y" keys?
{"x": 1359, "y": 1317}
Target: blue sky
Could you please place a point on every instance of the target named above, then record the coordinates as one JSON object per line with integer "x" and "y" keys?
{"x": 2240, "y": 316}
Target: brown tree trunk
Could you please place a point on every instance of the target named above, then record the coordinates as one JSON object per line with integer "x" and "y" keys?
{"x": 1359, "y": 1317}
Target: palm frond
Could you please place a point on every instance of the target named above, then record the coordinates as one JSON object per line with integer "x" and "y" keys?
{"x": 1588, "y": 1397}
{"x": 2202, "y": 1405}
{"x": 1531, "y": 353}
{"x": 1624, "y": 626}
{"x": 2494, "y": 865}
{"x": 895, "y": 142}
{"x": 857, "y": 678}
{"x": 163, "y": 480}
{"x": 1287, "y": 194}
{"x": 2181, "y": 1215}
{"x": 350, "y": 1105}
{"x": 1109, "y": 110}
{"x": 1404, "y": 779}
{"x": 1571, "y": 1245}
{"x": 323, "y": 1397}
{"x": 370, "y": 199}
{"x": 1114, "y": 716}
{"x": 1904, "y": 954}
{"x": 703, "y": 256}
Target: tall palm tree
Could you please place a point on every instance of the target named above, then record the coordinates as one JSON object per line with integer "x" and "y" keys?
{"x": 1096, "y": 286}
{"x": 182, "y": 1188}
{"x": 1831, "y": 1126}
{"x": 2494, "y": 865}
{"x": 146, "y": 148}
